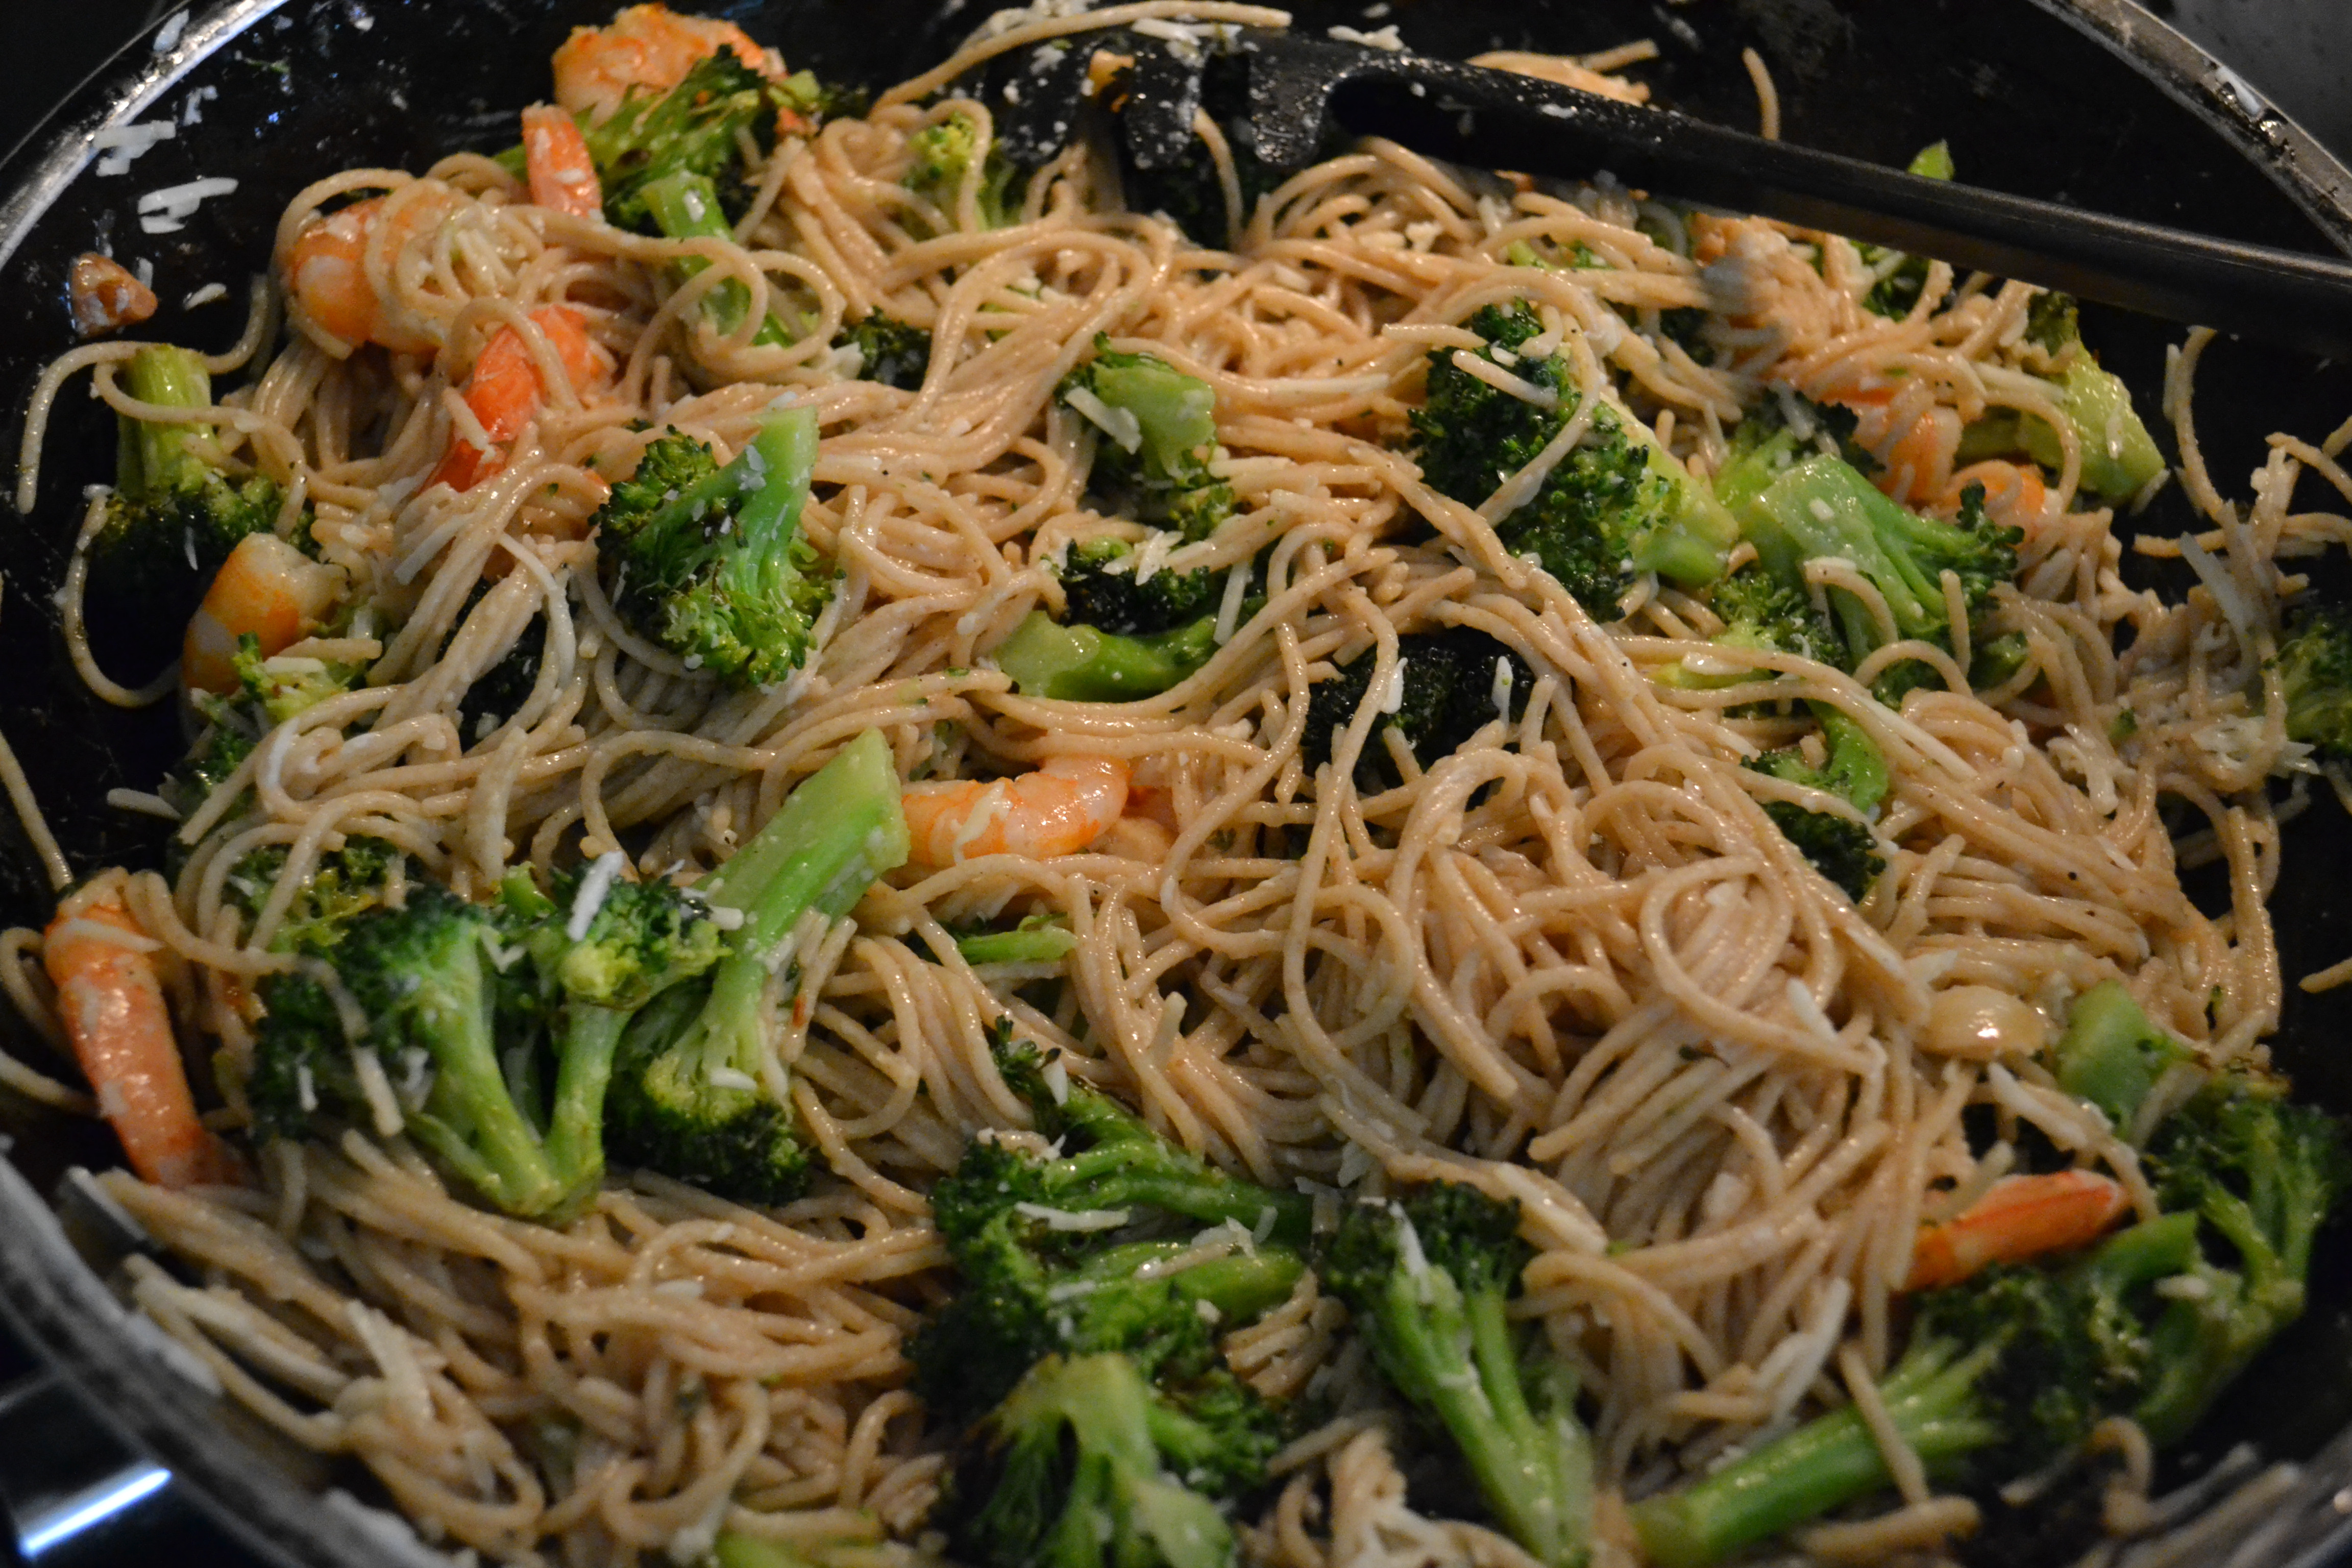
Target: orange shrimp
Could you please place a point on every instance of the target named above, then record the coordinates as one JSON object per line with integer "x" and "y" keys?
{"x": 1062, "y": 807}
{"x": 643, "y": 47}
{"x": 105, "y": 296}
{"x": 267, "y": 589}
{"x": 2015, "y": 495}
{"x": 326, "y": 270}
{"x": 556, "y": 160}
{"x": 2018, "y": 1217}
{"x": 112, "y": 1004}
{"x": 505, "y": 394}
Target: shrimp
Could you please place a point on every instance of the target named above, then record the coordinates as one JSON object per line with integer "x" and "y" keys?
{"x": 1059, "y": 809}
{"x": 504, "y": 391}
{"x": 562, "y": 174}
{"x": 327, "y": 271}
{"x": 112, "y": 1004}
{"x": 105, "y": 296}
{"x": 646, "y": 46}
{"x": 2015, "y": 495}
{"x": 2018, "y": 1217}
{"x": 265, "y": 589}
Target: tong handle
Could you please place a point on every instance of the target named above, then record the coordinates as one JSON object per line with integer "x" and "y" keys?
{"x": 1490, "y": 118}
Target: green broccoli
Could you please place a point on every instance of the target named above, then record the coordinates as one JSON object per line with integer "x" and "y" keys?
{"x": 1120, "y": 637}
{"x": 1903, "y": 278}
{"x": 343, "y": 884}
{"x": 602, "y": 950}
{"x": 2262, "y": 1174}
{"x": 176, "y": 511}
{"x": 1614, "y": 507}
{"x": 1429, "y": 1280}
{"x": 688, "y": 1098}
{"x": 710, "y": 562}
{"x": 2014, "y": 1365}
{"x": 269, "y": 692}
{"x": 889, "y": 351}
{"x": 697, "y": 128}
{"x": 686, "y": 205}
{"x": 939, "y": 157}
{"x": 1799, "y": 509}
{"x": 1085, "y": 1301}
{"x": 1037, "y": 938}
{"x": 430, "y": 1011}
{"x": 1844, "y": 850}
{"x": 1033, "y": 1282}
{"x": 2313, "y": 664}
{"x": 1086, "y": 1464}
{"x": 1455, "y": 682}
{"x": 2003, "y": 1373}
{"x": 2111, "y": 1056}
{"x": 2119, "y": 457}
{"x": 1158, "y": 439}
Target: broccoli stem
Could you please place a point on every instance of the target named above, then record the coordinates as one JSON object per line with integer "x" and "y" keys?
{"x": 685, "y": 206}
{"x": 1931, "y": 1398}
{"x": 470, "y": 1119}
{"x": 1081, "y": 664}
{"x": 1420, "y": 1334}
{"x": 833, "y": 836}
{"x": 575, "y": 1126}
{"x": 732, "y": 1550}
{"x": 154, "y": 456}
{"x": 1038, "y": 938}
{"x": 2118, "y": 455}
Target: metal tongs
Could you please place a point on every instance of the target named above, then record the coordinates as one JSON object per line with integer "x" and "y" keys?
{"x": 1296, "y": 94}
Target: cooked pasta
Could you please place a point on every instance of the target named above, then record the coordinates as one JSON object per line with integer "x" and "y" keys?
{"x": 1574, "y": 962}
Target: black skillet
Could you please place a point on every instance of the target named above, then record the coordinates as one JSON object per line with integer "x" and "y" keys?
{"x": 2085, "y": 100}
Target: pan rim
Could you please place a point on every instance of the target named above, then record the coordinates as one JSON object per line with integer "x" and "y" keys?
{"x": 54, "y": 1303}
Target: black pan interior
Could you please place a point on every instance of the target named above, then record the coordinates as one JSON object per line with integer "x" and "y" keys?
{"x": 2030, "y": 102}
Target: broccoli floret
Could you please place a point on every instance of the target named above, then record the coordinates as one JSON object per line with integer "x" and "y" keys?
{"x": 1120, "y": 637}
{"x": 422, "y": 981}
{"x": 1454, "y": 683}
{"x": 1614, "y": 507}
{"x": 688, "y": 1098}
{"x": 2016, "y": 1364}
{"x": 939, "y": 157}
{"x": 1903, "y": 278}
{"x": 2110, "y": 1055}
{"x": 2119, "y": 457}
{"x": 1844, "y": 850}
{"x": 697, "y": 128}
{"x": 1030, "y": 1287}
{"x": 601, "y": 950}
{"x": 177, "y": 513}
{"x": 2003, "y": 1373}
{"x": 2054, "y": 322}
{"x": 1428, "y": 1279}
{"x": 1100, "y": 589}
{"x": 710, "y": 562}
{"x": 343, "y": 884}
{"x": 2262, "y": 1174}
{"x": 889, "y": 351}
{"x": 1159, "y": 437}
{"x": 2315, "y": 671}
{"x": 269, "y": 692}
{"x": 1088, "y": 1465}
{"x": 1795, "y": 510}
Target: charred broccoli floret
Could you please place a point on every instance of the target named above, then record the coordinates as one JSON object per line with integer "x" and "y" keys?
{"x": 889, "y": 351}
{"x": 1842, "y": 849}
{"x": 1451, "y": 684}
